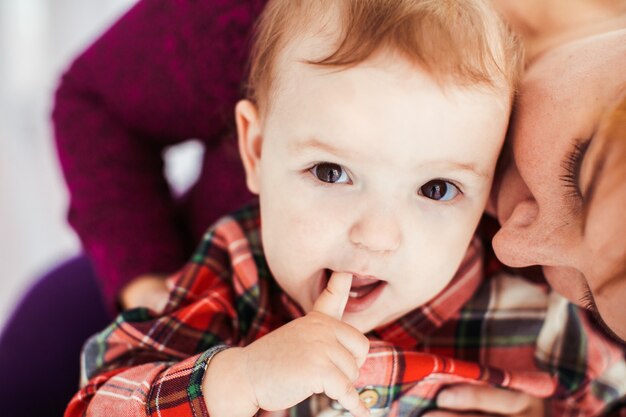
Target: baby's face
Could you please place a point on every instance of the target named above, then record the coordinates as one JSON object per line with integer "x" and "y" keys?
{"x": 372, "y": 170}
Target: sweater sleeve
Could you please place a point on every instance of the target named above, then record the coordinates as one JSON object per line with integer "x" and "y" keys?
{"x": 167, "y": 71}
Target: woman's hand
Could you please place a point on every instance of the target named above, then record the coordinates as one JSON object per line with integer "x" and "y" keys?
{"x": 478, "y": 400}
{"x": 149, "y": 290}
{"x": 317, "y": 353}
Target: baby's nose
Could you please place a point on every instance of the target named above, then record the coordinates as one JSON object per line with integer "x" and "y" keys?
{"x": 376, "y": 231}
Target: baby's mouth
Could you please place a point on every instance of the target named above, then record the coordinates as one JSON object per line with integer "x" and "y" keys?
{"x": 364, "y": 291}
{"x": 363, "y": 286}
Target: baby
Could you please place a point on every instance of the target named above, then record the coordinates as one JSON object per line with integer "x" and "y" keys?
{"x": 370, "y": 133}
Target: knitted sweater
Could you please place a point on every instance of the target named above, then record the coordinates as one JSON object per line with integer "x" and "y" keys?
{"x": 167, "y": 71}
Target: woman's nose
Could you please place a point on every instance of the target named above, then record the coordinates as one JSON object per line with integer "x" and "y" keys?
{"x": 528, "y": 238}
{"x": 512, "y": 244}
{"x": 530, "y": 233}
{"x": 376, "y": 230}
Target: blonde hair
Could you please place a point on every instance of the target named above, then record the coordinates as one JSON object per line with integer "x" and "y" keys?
{"x": 464, "y": 41}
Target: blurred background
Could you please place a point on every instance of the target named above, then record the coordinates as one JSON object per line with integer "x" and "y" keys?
{"x": 38, "y": 39}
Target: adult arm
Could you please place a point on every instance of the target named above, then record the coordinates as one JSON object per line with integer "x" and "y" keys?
{"x": 167, "y": 71}
{"x": 588, "y": 367}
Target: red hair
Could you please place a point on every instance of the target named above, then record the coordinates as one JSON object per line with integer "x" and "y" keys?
{"x": 463, "y": 41}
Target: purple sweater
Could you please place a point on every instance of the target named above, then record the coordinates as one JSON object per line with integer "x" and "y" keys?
{"x": 167, "y": 71}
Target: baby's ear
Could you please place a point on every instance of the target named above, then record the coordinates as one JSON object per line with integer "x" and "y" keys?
{"x": 250, "y": 141}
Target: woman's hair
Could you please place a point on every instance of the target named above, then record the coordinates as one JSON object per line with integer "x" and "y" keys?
{"x": 463, "y": 41}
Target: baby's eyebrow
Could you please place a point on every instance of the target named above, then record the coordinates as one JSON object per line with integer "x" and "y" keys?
{"x": 459, "y": 166}
{"x": 472, "y": 169}
{"x": 314, "y": 143}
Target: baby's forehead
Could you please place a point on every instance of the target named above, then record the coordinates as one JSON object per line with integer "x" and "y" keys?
{"x": 385, "y": 104}
{"x": 297, "y": 64}
{"x": 305, "y": 48}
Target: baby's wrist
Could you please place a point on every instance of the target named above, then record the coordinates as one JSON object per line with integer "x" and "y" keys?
{"x": 225, "y": 386}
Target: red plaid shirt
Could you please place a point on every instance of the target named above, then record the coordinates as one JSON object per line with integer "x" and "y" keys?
{"x": 501, "y": 330}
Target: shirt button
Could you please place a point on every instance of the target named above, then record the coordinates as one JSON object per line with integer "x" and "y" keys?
{"x": 369, "y": 397}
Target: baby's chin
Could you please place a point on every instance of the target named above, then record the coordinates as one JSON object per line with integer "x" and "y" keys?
{"x": 364, "y": 324}
{"x": 359, "y": 322}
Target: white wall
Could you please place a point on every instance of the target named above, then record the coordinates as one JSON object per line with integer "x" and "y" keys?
{"x": 38, "y": 38}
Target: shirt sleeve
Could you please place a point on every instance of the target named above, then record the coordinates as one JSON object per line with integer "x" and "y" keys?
{"x": 152, "y": 390}
{"x": 166, "y": 72}
{"x": 149, "y": 365}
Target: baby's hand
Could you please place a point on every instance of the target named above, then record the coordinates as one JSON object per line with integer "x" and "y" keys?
{"x": 312, "y": 354}
{"x": 149, "y": 290}
{"x": 480, "y": 400}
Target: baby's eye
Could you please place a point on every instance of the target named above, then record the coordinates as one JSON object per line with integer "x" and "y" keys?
{"x": 439, "y": 190}
{"x": 330, "y": 173}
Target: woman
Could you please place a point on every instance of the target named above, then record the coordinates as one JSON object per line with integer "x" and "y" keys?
{"x": 544, "y": 24}
{"x": 561, "y": 197}
{"x": 561, "y": 200}
{"x": 164, "y": 73}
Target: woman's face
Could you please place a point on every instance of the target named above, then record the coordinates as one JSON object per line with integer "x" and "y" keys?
{"x": 562, "y": 199}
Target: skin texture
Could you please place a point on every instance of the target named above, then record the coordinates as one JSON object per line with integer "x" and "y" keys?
{"x": 544, "y": 222}
{"x": 544, "y": 24}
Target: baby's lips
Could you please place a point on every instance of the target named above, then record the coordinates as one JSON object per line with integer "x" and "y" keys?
{"x": 363, "y": 280}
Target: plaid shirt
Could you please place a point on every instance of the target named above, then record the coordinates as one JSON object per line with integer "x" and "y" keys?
{"x": 500, "y": 330}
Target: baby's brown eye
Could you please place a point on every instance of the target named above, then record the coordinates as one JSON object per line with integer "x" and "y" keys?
{"x": 439, "y": 190}
{"x": 330, "y": 173}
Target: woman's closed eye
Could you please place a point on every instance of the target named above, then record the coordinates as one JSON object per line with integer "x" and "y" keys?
{"x": 330, "y": 173}
{"x": 571, "y": 166}
{"x": 439, "y": 190}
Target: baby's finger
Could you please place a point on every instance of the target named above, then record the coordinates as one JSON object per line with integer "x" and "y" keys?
{"x": 354, "y": 341}
{"x": 345, "y": 362}
{"x": 332, "y": 301}
{"x": 487, "y": 399}
{"x": 339, "y": 388}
